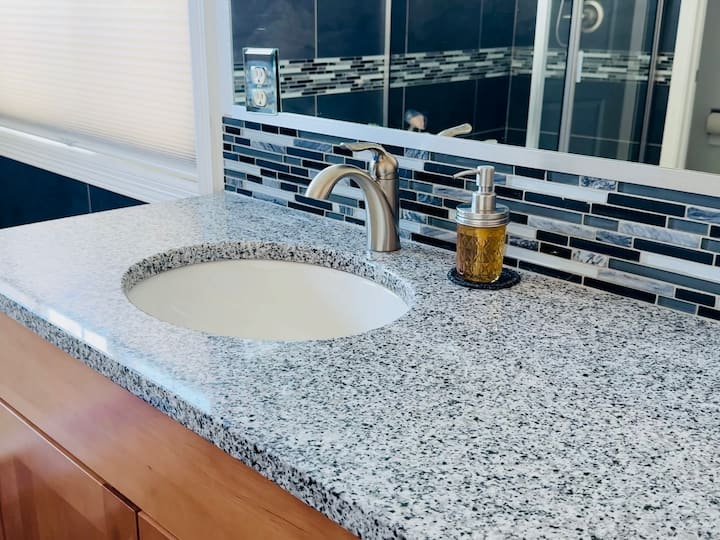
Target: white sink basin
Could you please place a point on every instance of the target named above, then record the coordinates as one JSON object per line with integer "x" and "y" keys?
{"x": 267, "y": 300}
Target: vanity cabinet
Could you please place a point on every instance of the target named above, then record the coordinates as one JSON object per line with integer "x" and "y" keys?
{"x": 81, "y": 458}
{"x": 45, "y": 495}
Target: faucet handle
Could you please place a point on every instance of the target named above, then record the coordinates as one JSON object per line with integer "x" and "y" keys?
{"x": 383, "y": 166}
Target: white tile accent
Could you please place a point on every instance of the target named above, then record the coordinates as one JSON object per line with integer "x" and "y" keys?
{"x": 680, "y": 266}
{"x": 557, "y": 189}
{"x": 552, "y": 262}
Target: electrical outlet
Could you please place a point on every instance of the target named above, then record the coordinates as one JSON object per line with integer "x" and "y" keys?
{"x": 262, "y": 80}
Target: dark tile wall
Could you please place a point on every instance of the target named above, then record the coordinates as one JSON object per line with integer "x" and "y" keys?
{"x": 656, "y": 245}
{"x": 600, "y": 105}
{"x": 432, "y": 25}
{"x": 29, "y": 194}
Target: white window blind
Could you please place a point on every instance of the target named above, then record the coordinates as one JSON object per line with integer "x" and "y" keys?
{"x": 113, "y": 76}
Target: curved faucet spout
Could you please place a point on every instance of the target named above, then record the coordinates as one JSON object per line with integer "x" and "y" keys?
{"x": 381, "y": 219}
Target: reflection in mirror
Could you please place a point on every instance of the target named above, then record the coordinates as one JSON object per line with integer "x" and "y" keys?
{"x": 589, "y": 77}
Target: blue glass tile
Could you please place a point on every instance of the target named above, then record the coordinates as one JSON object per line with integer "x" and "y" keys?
{"x": 677, "y": 305}
{"x": 630, "y": 215}
{"x": 709, "y": 313}
{"x": 552, "y": 272}
{"x": 715, "y": 232}
{"x": 508, "y": 193}
{"x": 442, "y": 168}
{"x": 664, "y": 275}
{"x": 711, "y": 245}
{"x": 534, "y": 210}
{"x": 439, "y": 179}
{"x": 232, "y": 157}
{"x": 233, "y": 121}
{"x": 671, "y": 195}
{"x": 299, "y": 171}
{"x": 314, "y": 145}
{"x": 695, "y": 297}
{"x": 425, "y": 209}
{"x": 290, "y": 160}
{"x": 646, "y": 204}
{"x": 553, "y": 238}
{"x": 347, "y": 201}
{"x": 429, "y": 199}
{"x": 660, "y": 234}
{"x": 673, "y": 251}
{"x": 619, "y": 289}
{"x": 529, "y": 172}
{"x": 268, "y": 147}
{"x": 236, "y": 174}
{"x": 563, "y": 178}
{"x": 701, "y": 214}
{"x": 601, "y": 223}
{"x": 332, "y": 139}
{"x": 560, "y": 202}
{"x": 258, "y": 153}
{"x": 442, "y": 223}
{"x": 304, "y": 153}
{"x": 272, "y": 165}
{"x": 253, "y": 125}
{"x": 688, "y": 226}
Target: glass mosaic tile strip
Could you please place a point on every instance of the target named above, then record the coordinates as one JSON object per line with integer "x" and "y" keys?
{"x": 649, "y": 244}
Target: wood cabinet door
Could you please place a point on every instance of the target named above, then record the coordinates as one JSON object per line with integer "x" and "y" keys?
{"x": 150, "y": 530}
{"x": 45, "y": 495}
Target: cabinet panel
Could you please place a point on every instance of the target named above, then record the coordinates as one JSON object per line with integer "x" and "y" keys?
{"x": 149, "y": 530}
{"x": 44, "y": 495}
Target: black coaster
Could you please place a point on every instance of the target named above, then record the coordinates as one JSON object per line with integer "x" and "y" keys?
{"x": 507, "y": 279}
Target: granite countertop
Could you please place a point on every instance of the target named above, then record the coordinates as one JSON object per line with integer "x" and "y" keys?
{"x": 546, "y": 410}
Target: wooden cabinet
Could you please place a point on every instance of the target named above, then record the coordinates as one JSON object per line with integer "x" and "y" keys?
{"x": 44, "y": 495}
{"x": 64, "y": 427}
{"x": 148, "y": 529}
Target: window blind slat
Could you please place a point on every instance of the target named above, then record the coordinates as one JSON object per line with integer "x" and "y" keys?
{"x": 105, "y": 71}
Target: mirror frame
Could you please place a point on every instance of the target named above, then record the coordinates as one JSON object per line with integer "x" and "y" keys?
{"x": 624, "y": 171}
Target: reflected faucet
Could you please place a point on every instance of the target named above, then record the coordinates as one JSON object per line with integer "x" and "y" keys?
{"x": 381, "y": 191}
{"x": 462, "y": 129}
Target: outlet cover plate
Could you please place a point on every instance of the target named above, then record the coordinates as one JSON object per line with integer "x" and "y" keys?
{"x": 262, "y": 80}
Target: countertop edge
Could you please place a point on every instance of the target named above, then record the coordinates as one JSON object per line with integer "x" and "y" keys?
{"x": 348, "y": 515}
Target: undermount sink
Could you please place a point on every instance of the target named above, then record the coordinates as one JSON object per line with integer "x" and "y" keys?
{"x": 262, "y": 298}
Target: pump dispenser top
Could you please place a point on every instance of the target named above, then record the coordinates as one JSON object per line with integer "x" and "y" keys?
{"x": 483, "y": 211}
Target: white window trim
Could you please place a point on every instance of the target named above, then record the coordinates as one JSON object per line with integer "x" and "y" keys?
{"x": 212, "y": 70}
{"x": 134, "y": 174}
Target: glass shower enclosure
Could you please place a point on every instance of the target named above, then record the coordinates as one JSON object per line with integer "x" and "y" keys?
{"x": 615, "y": 58}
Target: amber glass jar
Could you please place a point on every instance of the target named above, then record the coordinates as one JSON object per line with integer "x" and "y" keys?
{"x": 480, "y": 251}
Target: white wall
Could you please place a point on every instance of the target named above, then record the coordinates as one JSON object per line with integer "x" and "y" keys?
{"x": 703, "y": 156}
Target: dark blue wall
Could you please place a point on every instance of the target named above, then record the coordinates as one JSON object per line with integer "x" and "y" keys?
{"x": 29, "y": 194}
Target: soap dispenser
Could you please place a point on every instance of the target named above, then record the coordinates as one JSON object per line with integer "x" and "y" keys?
{"x": 481, "y": 229}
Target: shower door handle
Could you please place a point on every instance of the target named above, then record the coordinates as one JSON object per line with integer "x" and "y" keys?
{"x": 580, "y": 62}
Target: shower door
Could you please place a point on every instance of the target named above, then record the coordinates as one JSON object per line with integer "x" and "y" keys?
{"x": 612, "y": 55}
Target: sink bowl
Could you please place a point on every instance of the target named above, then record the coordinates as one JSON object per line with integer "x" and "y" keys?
{"x": 264, "y": 298}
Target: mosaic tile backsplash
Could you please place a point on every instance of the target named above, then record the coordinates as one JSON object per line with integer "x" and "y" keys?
{"x": 325, "y": 76}
{"x": 655, "y": 245}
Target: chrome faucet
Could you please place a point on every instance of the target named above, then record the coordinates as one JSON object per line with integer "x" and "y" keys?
{"x": 380, "y": 188}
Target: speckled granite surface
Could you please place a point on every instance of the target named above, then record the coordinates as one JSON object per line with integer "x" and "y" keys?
{"x": 542, "y": 411}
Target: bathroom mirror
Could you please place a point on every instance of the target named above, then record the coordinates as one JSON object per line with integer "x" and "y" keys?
{"x": 564, "y": 75}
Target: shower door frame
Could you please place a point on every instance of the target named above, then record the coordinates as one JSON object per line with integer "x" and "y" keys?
{"x": 682, "y": 88}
